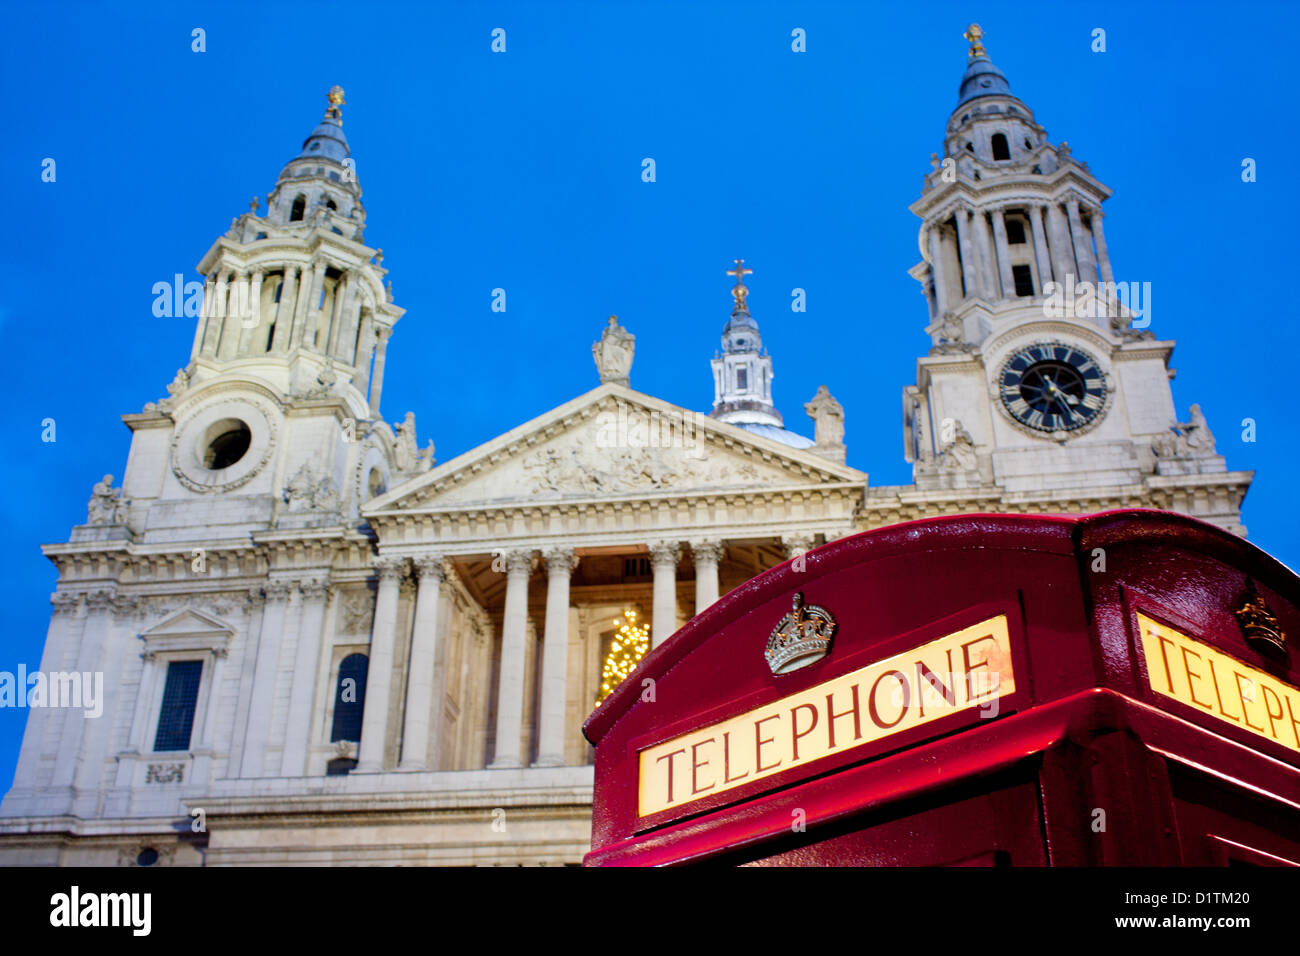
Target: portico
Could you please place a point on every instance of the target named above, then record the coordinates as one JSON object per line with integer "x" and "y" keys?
{"x": 546, "y": 545}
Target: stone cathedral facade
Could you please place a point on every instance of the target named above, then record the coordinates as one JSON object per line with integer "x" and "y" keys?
{"x": 320, "y": 647}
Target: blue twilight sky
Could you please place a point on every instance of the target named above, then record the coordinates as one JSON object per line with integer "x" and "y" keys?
{"x": 522, "y": 171}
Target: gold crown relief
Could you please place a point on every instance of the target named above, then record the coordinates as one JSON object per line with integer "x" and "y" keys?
{"x": 800, "y": 638}
{"x": 1260, "y": 625}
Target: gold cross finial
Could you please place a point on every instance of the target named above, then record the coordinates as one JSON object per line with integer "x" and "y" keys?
{"x": 740, "y": 291}
{"x": 336, "y": 100}
{"x": 974, "y": 34}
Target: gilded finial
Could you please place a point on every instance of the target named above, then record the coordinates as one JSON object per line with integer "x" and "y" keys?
{"x": 974, "y": 34}
{"x": 336, "y": 100}
{"x": 1260, "y": 626}
{"x": 740, "y": 291}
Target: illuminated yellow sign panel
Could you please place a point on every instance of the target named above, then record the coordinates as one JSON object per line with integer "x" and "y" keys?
{"x": 1200, "y": 676}
{"x": 969, "y": 668}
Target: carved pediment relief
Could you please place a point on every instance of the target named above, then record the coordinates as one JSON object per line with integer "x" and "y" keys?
{"x": 614, "y": 442}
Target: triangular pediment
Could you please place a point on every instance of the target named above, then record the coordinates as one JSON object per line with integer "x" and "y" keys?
{"x": 613, "y": 442}
{"x": 187, "y": 622}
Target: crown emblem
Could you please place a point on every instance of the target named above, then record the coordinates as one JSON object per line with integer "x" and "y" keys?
{"x": 1260, "y": 626}
{"x": 800, "y": 638}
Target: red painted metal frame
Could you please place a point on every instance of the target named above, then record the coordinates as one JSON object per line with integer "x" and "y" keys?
{"x": 1084, "y": 724}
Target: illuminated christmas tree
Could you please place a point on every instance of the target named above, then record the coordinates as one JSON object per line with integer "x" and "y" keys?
{"x": 630, "y": 644}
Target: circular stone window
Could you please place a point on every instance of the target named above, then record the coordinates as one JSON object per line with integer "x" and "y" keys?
{"x": 225, "y": 443}
{"x": 148, "y": 857}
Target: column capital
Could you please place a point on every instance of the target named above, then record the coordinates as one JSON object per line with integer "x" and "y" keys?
{"x": 430, "y": 568}
{"x": 665, "y": 553}
{"x": 708, "y": 552}
{"x": 797, "y": 543}
{"x": 274, "y": 591}
{"x": 519, "y": 562}
{"x": 388, "y": 567}
{"x": 65, "y": 603}
{"x": 100, "y": 599}
{"x": 314, "y": 588}
{"x": 560, "y": 560}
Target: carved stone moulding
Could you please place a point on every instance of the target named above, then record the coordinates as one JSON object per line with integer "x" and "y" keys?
{"x": 190, "y": 443}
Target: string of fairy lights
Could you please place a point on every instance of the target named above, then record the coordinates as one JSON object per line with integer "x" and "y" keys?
{"x": 630, "y": 644}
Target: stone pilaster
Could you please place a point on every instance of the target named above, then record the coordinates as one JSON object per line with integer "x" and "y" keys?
{"x": 262, "y": 703}
{"x": 379, "y": 676}
{"x": 311, "y": 621}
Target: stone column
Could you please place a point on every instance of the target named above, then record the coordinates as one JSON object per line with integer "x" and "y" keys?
{"x": 201, "y": 328}
{"x": 706, "y": 555}
{"x": 1041, "y": 257}
{"x": 1003, "y": 251}
{"x": 262, "y": 702}
{"x": 988, "y": 268}
{"x": 365, "y": 331}
{"x": 214, "y": 308}
{"x": 284, "y": 309}
{"x": 1082, "y": 243}
{"x": 1058, "y": 237}
{"x": 307, "y": 299}
{"x": 510, "y": 693}
{"x": 424, "y": 650}
{"x": 796, "y": 544}
{"x": 379, "y": 675}
{"x": 560, "y": 563}
{"x": 664, "y": 556}
{"x": 1098, "y": 233}
{"x": 233, "y": 326}
{"x": 302, "y": 694}
{"x": 967, "y": 251}
{"x": 937, "y": 273}
{"x": 382, "y": 332}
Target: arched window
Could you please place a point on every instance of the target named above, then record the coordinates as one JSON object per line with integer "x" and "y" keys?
{"x": 970, "y": 148}
{"x": 329, "y": 204}
{"x": 299, "y": 209}
{"x": 1000, "y": 148}
{"x": 350, "y": 698}
{"x": 742, "y": 379}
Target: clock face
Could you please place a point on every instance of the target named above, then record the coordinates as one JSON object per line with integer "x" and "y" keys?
{"x": 1053, "y": 387}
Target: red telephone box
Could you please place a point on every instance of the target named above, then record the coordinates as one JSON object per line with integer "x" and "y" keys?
{"x": 977, "y": 690}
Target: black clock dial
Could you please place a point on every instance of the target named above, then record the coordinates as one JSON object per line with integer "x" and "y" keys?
{"x": 1053, "y": 387}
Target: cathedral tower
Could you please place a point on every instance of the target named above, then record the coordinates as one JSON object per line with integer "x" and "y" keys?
{"x": 1043, "y": 380}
